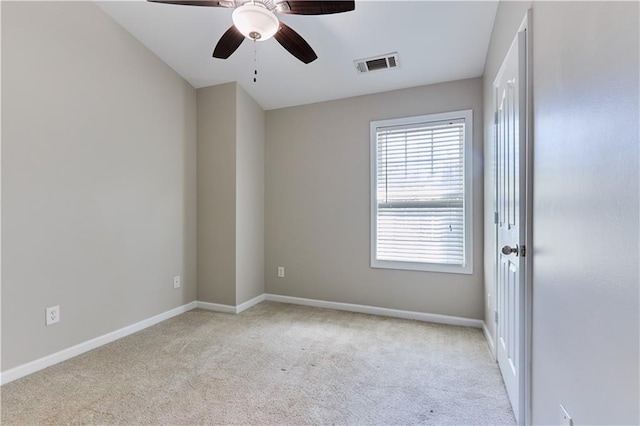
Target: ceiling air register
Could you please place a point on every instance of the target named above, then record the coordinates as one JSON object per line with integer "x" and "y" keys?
{"x": 382, "y": 62}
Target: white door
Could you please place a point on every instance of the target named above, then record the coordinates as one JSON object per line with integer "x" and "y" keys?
{"x": 510, "y": 142}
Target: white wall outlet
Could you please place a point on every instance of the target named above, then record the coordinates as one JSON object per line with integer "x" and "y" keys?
{"x": 176, "y": 281}
{"x": 280, "y": 271}
{"x": 566, "y": 418}
{"x": 52, "y": 315}
{"x": 488, "y": 300}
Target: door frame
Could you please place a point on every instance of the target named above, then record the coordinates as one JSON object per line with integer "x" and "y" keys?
{"x": 524, "y": 417}
{"x": 527, "y": 25}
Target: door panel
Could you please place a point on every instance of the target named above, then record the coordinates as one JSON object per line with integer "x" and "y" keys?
{"x": 510, "y": 86}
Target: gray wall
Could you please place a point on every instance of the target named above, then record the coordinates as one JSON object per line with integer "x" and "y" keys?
{"x": 317, "y": 204}
{"x": 98, "y": 179}
{"x": 217, "y": 194}
{"x": 250, "y": 133}
{"x": 586, "y": 205}
{"x": 231, "y": 128}
{"x": 586, "y": 278}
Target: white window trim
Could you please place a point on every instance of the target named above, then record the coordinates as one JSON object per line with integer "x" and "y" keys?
{"x": 467, "y": 268}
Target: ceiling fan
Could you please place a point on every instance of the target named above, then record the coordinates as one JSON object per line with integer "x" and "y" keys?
{"x": 257, "y": 21}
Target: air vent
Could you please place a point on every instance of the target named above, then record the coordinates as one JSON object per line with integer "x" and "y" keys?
{"x": 382, "y": 62}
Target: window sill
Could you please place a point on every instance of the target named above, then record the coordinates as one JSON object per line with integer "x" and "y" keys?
{"x": 423, "y": 267}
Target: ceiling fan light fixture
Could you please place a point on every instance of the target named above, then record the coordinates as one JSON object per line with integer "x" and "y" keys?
{"x": 255, "y": 22}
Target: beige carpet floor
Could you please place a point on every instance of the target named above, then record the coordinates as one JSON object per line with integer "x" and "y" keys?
{"x": 272, "y": 364}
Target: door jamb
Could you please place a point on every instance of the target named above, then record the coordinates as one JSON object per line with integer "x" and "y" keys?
{"x": 527, "y": 25}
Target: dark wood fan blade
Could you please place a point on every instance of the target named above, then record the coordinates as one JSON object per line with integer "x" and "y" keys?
{"x": 228, "y": 43}
{"x": 315, "y": 7}
{"x": 295, "y": 44}
{"x": 209, "y": 3}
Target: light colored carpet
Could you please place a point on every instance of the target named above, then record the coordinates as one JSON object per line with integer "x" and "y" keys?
{"x": 272, "y": 364}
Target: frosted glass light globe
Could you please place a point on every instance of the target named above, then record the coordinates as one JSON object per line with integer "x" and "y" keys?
{"x": 255, "y": 22}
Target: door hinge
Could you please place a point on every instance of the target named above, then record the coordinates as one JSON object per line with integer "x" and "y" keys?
{"x": 495, "y": 217}
{"x": 495, "y": 117}
{"x": 495, "y": 316}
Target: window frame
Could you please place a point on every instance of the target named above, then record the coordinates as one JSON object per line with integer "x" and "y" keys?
{"x": 467, "y": 268}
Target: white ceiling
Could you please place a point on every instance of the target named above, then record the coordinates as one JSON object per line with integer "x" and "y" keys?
{"x": 436, "y": 42}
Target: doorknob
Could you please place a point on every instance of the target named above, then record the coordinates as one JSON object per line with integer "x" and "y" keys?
{"x": 506, "y": 250}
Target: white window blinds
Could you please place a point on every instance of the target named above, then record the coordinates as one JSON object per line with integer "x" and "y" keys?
{"x": 420, "y": 193}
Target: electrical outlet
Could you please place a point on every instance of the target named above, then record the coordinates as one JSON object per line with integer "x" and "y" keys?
{"x": 566, "y": 418}
{"x": 52, "y": 315}
{"x": 176, "y": 281}
{"x": 280, "y": 271}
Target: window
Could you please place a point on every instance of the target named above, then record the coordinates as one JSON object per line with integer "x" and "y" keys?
{"x": 421, "y": 184}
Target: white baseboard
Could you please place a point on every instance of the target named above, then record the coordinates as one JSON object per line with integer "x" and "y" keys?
{"x": 490, "y": 342}
{"x": 250, "y": 303}
{"x": 373, "y": 310}
{"x": 230, "y": 309}
{"x": 65, "y": 354}
{"x": 216, "y": 307}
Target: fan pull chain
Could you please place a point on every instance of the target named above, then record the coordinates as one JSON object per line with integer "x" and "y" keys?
{"x": 255, "y": 62}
